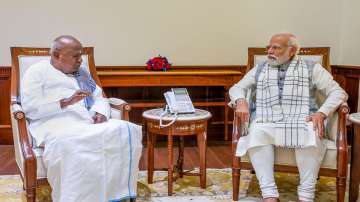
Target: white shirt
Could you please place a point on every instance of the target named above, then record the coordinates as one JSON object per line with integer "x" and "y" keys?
{"x": 42, "y": 88}
{"x": 322, "y": 81}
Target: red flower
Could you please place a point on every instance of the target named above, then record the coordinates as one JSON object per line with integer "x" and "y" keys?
{"x": 158, "y": 63}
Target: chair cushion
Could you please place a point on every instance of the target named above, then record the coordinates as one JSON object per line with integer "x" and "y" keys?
{"x": 284, "y": 156}
{"x": 41, "y": 170}
{"x": 115, "y": 113}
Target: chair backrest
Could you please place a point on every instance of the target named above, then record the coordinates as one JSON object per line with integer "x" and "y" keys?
{"x": 24, "y": 57}
{"x": 315, "y": 54}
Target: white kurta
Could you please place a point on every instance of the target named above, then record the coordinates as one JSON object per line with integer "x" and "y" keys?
{"x": 261, "y": 134}
{"x": 84, "y": 161}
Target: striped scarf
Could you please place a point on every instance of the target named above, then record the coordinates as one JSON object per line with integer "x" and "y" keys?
{"x": 86, "y": 83}
{"x": 288, "y": 113}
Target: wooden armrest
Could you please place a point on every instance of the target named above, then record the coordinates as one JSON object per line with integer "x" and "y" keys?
{"x": 235, "y": 138}
{"x": 235, "y": 164}
{"x": 341, "y": 140}
{"x": 19, "y": 115}
{"x": 236, "y": 128}
{"x": 18, "y": 112}
{"x": 26, "y": 148}
{"x": 121, "y": 105}
{"x": 116, "y": 101}
{"x": 343, "y": 108}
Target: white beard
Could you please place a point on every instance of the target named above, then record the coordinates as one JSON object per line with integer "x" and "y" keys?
{"x": 277, "y": 62}
{"x": 273, "y": 62}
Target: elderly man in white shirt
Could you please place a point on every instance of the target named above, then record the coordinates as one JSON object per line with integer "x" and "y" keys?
{"x": 88, "y": 156}
{"x": 283, "y": 112}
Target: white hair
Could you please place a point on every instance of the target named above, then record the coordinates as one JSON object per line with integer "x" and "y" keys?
{"x": 293, "y": 41}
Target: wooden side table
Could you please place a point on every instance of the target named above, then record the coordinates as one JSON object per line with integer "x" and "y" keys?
{"x": 185, "y": 125}
{"x": 355, "y": 159}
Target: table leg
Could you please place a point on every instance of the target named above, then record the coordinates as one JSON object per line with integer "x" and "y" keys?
{"x": 355, "y": 166}
{"x": 201, "y": 138}
{"x": 150, "y": 156}
{"x": 180, "y": 160}
{"x": 170, "y": 164}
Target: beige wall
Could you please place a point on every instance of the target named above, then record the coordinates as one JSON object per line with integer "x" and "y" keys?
{"x": 350, "y": 33}
{"x": 188, "y": 32}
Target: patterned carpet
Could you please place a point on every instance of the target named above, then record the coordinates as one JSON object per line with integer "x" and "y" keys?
{"x": 219, "y": 188}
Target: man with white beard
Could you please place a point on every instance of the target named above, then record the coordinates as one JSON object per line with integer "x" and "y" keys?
{"x": 87, "y": 155}
{"x": 283, "y": 113}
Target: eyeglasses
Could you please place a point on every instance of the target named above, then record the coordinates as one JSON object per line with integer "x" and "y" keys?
{"x": 275, "y": 47}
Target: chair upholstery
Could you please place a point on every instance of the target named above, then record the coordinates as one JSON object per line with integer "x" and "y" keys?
{"x": 335, "y": 160}
{"x": 28, "y": 156}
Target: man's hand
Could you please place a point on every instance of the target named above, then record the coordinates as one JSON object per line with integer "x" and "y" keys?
{"x": 318, "y": 122}
{"x": 76, "y": 97}
{"x": 99, "y": 118}
{"x": 242, "y": 110}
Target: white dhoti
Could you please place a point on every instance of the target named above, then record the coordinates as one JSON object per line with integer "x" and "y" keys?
{"x": 261, "y": 134}
{"x": 93, "y": 162}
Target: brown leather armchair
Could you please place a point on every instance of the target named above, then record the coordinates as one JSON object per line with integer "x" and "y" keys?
{"x": 28, "y": 156}
{"x": 336, "y": 157}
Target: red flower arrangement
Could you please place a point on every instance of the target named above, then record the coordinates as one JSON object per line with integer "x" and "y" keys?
{"x": 158, "y": 63}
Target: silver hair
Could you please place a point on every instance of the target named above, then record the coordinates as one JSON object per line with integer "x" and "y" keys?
{"x": 293, "y": 41}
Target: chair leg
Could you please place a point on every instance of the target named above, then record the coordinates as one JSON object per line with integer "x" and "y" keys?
{"x": 150, "y": 156}
{"x": 201, "y": 139}
{"x": 236, "y": 161}
{"x": 235, "y": 182}
{"x": 31, "y": 194}
{"x": 340, "y": 188}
